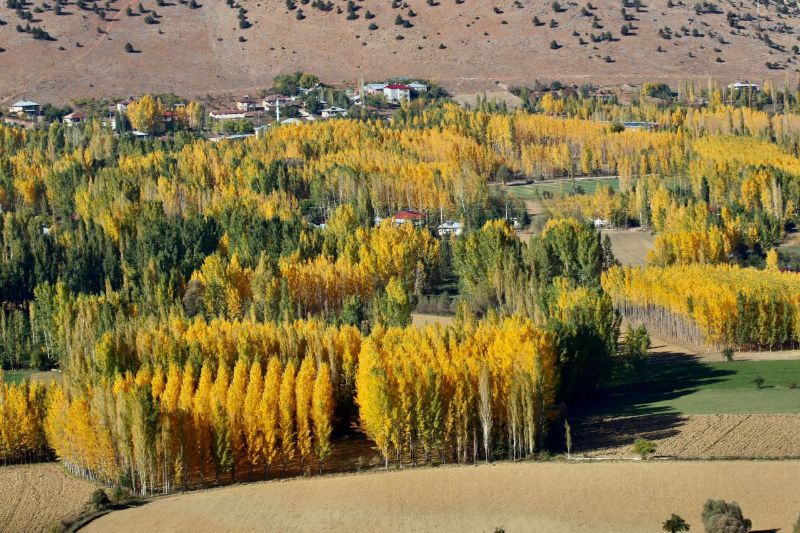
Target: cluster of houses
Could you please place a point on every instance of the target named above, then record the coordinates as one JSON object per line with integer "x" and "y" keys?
{"x": 394, "y": 93}
{"x": 448, "y": 227}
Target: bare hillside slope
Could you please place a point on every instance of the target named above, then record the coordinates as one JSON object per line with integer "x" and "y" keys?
{"x": 465, "y": 46}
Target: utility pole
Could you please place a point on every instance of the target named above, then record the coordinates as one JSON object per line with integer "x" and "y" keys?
{"x": 277, "y": 109}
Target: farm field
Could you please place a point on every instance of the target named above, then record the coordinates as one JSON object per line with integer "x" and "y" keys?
{"x": 695, "y": 388}
{"x": 551, "y": 497}
{"x": 561, "y": 186}
{"x": 691, "y": 436}
{"x": 34, "y": 497}
{"x": 16, "y": 376}
{"x": 630, "y": 246}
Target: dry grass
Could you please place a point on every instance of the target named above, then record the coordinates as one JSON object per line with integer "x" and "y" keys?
{"x": 198, "y": 52}
{"x": 419, "y": 319}
{"x": 631, "y": 246}
{"x": 35, "y": 497}
{"x": 545, "y": 497}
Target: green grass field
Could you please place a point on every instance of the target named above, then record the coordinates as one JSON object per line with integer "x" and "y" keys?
{"x": 528, "y": 192}
{"x": 16, "y": 376}
{"x": 706, "y": 388}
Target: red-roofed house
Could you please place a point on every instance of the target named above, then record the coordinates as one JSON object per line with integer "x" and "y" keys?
{"x": 169, "y": 116}
{"x": 418, "y": 219}
{"x": 75, "y": 117}
{"x": 397, "y": 93}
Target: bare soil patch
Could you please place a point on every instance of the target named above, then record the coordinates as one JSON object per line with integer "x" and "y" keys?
{"x": 630, "y": 246}
{"x": 35, "y": 497}
{"x": 537, "y": 497}
{"x": 691, "y": 436}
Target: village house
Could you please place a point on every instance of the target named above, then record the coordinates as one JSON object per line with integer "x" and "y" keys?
{"x": 418, "y": 87}
{"x": 246, "y": 104}
{"x": 371, "y": 89}
{"x": 26, "y": 107}
{"x": 275, "y": 100}
{"x": 738, "y": 85}
{"x": 418, "y": 219}
{"x": 122, "y": 107}
{"x": 227, "y": 115}
{"x": 76, "y": 117}
{"x": 397, "y": 93}
{"x": 450, "y": 227}
{"x": 333, "y": 112}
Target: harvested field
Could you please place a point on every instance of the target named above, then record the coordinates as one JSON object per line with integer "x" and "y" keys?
{"x": 630, "y": 246}
{"x": 419, "y": 319}
{"x": 34, "y": 497}
{"x": 691, "y": 436}
{"x": 551, "y": 497}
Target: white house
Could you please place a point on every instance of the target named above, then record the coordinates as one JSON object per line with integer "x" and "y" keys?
{"x": 397, "y": 93}
{"x": 374, "y": 88}
{"x": 739, "y": 85}
{"x": 24, "y": 106}
{"x": 450, "y": 227}
{"x": 122, "y": 107}
{"x": 333, "y": 112}
{"x": 417, "y": 86}
{"x": 292, "y": 121}
{"x": 227, "y": 115}
{"x": 602, "y": 223}
{"x": 75, "y": 117}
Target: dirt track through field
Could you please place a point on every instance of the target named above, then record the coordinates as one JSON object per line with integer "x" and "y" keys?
{"x": 35, "y": 497}
{"x": 549, "y": 497}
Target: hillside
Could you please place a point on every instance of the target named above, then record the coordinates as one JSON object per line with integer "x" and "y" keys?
{"x": 466, "y": 45}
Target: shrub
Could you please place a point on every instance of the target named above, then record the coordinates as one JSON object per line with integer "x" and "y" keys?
{"x": 796, "y": 528}
{"x": 675, "y": 524}
{"x": 759, "y": 381}
{"x": 119, "y": 495}
{"x": 129, "y": 48}
{"x": 99, "y": 499}
{"x": 727, "y": 353}
{"x": 720, "y": 516}
{"x": 643, "y": 447}
{"x": 553, "y": 45}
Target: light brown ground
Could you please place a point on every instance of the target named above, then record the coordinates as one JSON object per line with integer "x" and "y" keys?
{"x": 672, "y": 352}
{"x": 630, "y": 246}
{"x": 512, "y": 102}
{"x": 691, "y": 436}
{"x": 198, "y": 52}
{"x": 549, "y": 497}
{"x": 419, "y": 319}
{"x": 34, "y": 497}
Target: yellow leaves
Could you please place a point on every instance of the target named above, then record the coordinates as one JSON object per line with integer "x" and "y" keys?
{"x": 709, "y": 295}
{"x": 146, "y": 115}
{"x": 772, "y": 260}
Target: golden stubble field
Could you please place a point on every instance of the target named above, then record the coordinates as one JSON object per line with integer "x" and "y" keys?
{"x": 34, "y": 497}
{"x": 543, "y": 497}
